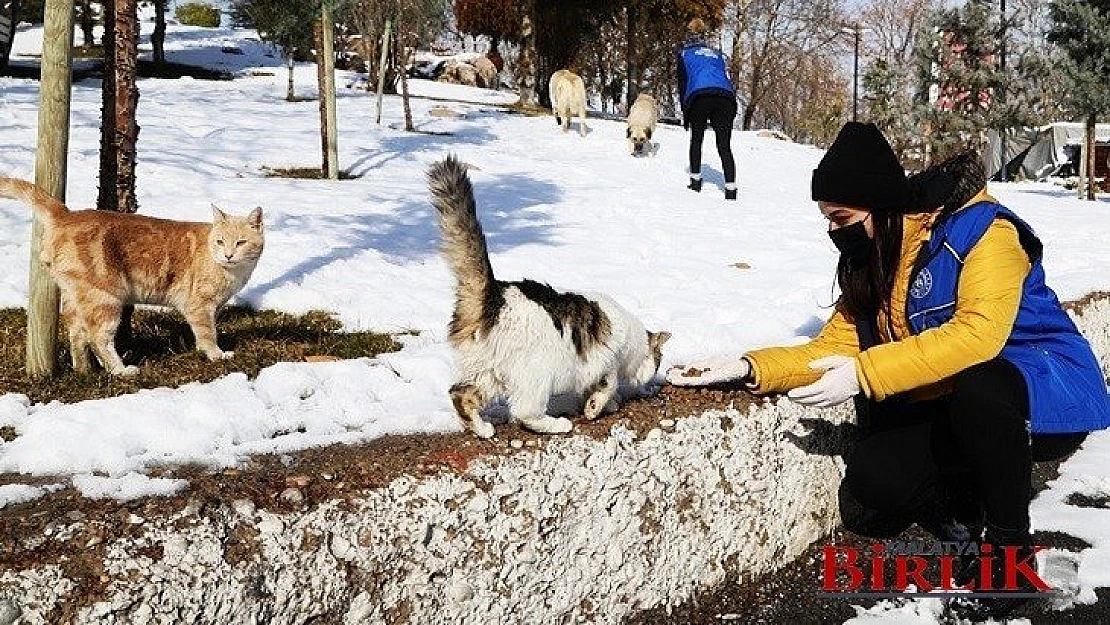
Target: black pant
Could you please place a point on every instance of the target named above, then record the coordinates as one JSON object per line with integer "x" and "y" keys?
{"x": 719, "y": 112}
{"x": 972, "y": 447}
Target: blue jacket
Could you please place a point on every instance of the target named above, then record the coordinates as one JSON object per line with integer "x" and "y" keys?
{"x": 1067, "y": 391}
{"x": 702, "y": 70}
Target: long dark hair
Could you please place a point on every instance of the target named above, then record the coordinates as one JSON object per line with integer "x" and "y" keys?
{"x": 865, "y": 288}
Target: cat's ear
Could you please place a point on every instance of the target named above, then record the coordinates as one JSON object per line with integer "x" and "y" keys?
{"x": 656, "y": 339}
{"x": 254, "y": 218}
{"x": 218, "y": 215}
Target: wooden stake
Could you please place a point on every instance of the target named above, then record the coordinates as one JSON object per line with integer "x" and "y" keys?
{"x": 331, "y": 144}
{"x": 50, "y": 174}
{"x": 381, "y": 66}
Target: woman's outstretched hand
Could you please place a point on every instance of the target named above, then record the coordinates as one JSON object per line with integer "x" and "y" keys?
{"x": 712, "y": 370}
{"x": 836, "y": 386}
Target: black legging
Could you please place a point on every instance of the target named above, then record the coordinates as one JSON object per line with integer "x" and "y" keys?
{"x": 718, "y": 111}
{"x": 972, "y": 446}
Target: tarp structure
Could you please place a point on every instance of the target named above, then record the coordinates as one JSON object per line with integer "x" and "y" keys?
{"x": 1036, "y": 153}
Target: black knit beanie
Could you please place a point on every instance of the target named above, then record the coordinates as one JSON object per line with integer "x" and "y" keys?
{"x": 861, "y": 170}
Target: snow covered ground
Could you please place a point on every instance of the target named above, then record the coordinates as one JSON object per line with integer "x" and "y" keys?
{"x": 577, "y": 212}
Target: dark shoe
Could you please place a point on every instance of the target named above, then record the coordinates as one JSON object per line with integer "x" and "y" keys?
{"x": 997, "y": 543}
{"x": 730, "y": 194}
{"x": 963, "y": 534}
{"x": 695, "y": 184}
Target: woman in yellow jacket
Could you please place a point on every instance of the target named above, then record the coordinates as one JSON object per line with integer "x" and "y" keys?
{"x": 948, "y": 341}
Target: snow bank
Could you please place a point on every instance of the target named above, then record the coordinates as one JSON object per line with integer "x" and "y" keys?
{"x": 581, "y": 530}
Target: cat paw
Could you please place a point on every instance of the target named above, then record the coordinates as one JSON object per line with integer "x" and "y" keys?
{"x": 126, "y": 372}
{"x": 549, "y": 425}
{"x": 219, "y": 355}
{"x": 482, "y": 429}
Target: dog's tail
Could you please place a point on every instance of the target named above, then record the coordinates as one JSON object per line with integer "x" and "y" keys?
{"x": 465, "y": 247}
{"x": 45, "y": 206}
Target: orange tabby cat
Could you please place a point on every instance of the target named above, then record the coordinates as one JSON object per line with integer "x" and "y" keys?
{"x": 104, "y": 260}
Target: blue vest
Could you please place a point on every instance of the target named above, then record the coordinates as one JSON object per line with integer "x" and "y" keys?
{"x": 1067, "y": 391}
{"x": 705, "y": 69}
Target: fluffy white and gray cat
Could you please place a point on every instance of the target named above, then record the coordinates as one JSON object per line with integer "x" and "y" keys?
{"x": 525, "y": 341}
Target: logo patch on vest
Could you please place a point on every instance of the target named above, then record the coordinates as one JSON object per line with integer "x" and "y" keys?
{"x": 922, "y": 284}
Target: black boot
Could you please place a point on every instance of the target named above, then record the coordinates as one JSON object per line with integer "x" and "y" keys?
{"x": 953, "y": 515}
{"x": 964, "y": 535}
{"x": 695, "y": 184}
{"x": 730, "y": 194}
{"x": 997, "y": 542}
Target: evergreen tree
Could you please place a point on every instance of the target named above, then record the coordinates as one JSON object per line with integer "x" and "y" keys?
{"x": 1034, "y": 85}
{"x": 286, "y": 24}
{"x": 1082, "y": 30}
{"x": 959, "y": 79}
{"x": 887, "y": 93}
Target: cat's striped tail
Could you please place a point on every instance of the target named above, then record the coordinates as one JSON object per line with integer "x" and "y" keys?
{"x": 45, "y": 206}
{"x": 464, "y": 245}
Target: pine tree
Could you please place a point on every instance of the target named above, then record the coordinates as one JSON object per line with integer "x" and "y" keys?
{"x": 889, "y": 100}
{"x": 287, "y": 24}
{"x": 958, "y": 78}
{"x": 1082, "y": 30}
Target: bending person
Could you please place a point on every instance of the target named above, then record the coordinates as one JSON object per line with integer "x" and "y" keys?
{"x": 708, "y": 99}
{"x": 951, "y": 344}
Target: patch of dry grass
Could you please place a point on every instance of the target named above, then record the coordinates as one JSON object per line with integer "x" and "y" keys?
{"x": 161, "y": 345}
{"x": 305, "y": 173}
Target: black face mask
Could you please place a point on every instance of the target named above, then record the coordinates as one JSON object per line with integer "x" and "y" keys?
{"x": 853, "y": 242}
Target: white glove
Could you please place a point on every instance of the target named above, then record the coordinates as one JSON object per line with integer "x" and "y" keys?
{"x": 712, "y": 370}
{"x": 838, "y": 385}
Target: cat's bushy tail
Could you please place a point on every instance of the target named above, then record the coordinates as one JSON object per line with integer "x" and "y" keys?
{"x": 45, "y": 206}
{"x": 465, "y": 247}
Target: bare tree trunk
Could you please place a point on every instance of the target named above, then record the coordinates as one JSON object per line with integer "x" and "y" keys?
{"x": 526, "y": 61}
{"x": 119, "y": 128}
{"x": 50, "y": 174}
{"x": 1081, "y": 170}
{"x": 106, "y": 198}
{"x": 1089, "y": 159}
{"x": 603, "y": 79}
{"x": 158, "y": 37}
{"x": 405, "y": 89}
{"x": 749, "y": 116}
{"x": 86, "y": 23}
{"x": 738, "y": 27}
{"x": 290, "y": 94}
{"x": 632, "y": 69}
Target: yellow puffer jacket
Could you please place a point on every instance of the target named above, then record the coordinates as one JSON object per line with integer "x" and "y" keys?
{"x": 988, "y": 297}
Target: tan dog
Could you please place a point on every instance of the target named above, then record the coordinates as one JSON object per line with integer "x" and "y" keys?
{"x": 641, "y": 124}
{"x": 568, "y": 97}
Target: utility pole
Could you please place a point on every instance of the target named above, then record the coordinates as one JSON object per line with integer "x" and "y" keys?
{"x": 50, "y": 174}
{"x": 856, "y": 32}
{"x": 1002, "y": 91}
{"x": 855, "y": 76}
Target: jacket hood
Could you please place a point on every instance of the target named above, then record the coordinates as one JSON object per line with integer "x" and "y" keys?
{"x": 695, "y": 41}
{"x": 948, "y": 185}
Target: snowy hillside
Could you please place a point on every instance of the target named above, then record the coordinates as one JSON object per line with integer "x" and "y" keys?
{"x": 577, "y": 212}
